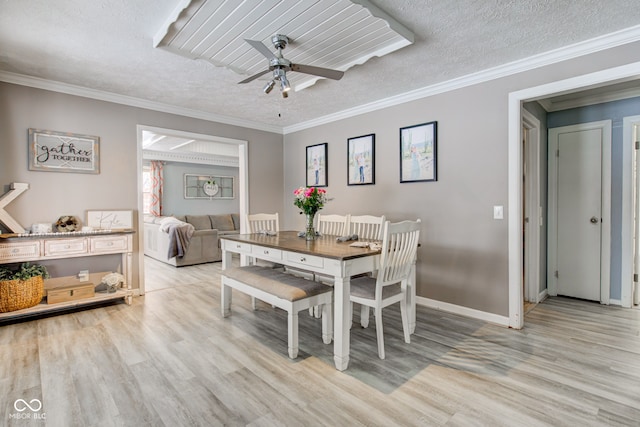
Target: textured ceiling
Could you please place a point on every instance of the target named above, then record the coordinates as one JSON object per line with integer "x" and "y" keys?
{"x": 336, "y": 34}
{"x": 109, "y": 46}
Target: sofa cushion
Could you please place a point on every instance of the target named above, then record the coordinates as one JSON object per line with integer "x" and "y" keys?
{"x": 222, "y": 222}
{"x": 182, "y": 218}
{"x": 199, "y": 222}
{"x": 236, "y": 221}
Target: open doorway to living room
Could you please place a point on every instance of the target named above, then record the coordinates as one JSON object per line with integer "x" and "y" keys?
{"x": 196, "y": 175}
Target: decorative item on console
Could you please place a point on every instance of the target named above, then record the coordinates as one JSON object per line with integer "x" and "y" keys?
{"x": 68, "y": 223}
{"x": 111, "y": 282}
{"x": 22, "y": 287}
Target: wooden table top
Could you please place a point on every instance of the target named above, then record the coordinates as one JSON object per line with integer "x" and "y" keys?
{"x": 323, "y": 246}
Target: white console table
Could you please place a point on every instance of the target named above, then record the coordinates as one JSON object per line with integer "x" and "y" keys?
{"x": 51, "y": 246}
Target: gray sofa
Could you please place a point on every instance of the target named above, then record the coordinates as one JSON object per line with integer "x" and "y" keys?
{"x": 204, "y": 245}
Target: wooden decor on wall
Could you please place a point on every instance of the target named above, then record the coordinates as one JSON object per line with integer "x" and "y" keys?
{"x": 63, "y": 152}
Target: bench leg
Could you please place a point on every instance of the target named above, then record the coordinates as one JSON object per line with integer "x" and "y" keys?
{"x": 327, "y": 323}
{"x": 225, "y": 299}
{"x": 292, "y": 321}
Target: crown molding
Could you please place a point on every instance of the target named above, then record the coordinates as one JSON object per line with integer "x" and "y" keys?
{"x": 607, "y": 41}
{"x": 190, "y": 157}
{"x": 100, "y": 95}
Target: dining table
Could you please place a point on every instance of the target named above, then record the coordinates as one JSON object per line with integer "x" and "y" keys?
{"x": 326, "y": 255}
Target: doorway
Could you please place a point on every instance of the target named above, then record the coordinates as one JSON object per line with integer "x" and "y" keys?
{"x": 242, "y": 186}
{"x": 579, "y": 211}
{"x": 531, "y": 209}
{"x": 516, "y": 99}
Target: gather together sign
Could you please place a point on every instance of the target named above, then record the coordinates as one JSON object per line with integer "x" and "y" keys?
{"x": 63, "y": 152}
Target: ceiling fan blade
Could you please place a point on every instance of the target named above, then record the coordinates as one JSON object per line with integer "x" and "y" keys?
{"x": 255, "y": 76}
{"x": 317, "y": 71}
{"x": 260, "y": 47}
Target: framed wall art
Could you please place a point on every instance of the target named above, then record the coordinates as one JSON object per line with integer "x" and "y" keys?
{"x": 63, "y": 152}
{"x": 317, "y": 165}
{"x": 208, "y": 187}
{"x": 361, "y": 160}
{"x": 418, "y": 152}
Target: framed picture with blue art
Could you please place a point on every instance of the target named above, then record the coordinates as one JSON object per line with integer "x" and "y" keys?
{"x": 317, "y": 165}
{"x": 418, "y": 152}
{"x": 361, "y": 160}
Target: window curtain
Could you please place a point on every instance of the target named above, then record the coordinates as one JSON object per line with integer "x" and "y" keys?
{"x": 157, "y": 182}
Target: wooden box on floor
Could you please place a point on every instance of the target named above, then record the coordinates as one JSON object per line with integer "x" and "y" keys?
{"x": 70, "y": 293}
{"x": 69, "y": 288}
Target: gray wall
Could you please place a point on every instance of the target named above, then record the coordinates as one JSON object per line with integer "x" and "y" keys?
{"x": 463, "y": 259}
{"x": 464, "y": 255}
{"x": 174, "y": 200}
{"x": 54, "y": 194}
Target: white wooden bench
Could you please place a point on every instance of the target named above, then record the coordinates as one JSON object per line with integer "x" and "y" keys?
{"x": 281, "y": 290}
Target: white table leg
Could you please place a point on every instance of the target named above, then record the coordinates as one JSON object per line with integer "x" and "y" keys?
{"x": 342, "y": 324}
{"x": 226, "y": 259}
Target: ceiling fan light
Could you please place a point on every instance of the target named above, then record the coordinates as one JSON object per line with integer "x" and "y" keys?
{"x": 269, "y": 86}
{"x": 284, "y": 83}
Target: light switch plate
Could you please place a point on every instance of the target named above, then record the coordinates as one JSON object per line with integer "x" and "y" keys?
{"x": 498, "y": 212}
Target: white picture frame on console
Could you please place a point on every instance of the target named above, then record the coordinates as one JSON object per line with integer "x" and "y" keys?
{"x": 110, "y": 219}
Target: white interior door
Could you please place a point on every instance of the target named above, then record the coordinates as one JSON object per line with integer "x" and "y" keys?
{"x": 579, "y": 213}
{"x": 579, "y": 205}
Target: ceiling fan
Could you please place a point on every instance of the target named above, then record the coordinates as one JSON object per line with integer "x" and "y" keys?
{"x": 280, "y": 65}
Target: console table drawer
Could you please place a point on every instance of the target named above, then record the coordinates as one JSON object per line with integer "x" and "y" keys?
{"x": 65, "y": 247}
{"x": 266, "y": 253}
{"x": 106, "y": 245}
{"x": 305, "y": 260}
{"x": 19, "y": 251}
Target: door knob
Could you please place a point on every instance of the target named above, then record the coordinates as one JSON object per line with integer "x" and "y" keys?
{"x": 594, "y": 220}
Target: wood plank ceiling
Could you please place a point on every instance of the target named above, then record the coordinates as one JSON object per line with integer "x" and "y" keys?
{"x": 331, "y": 34}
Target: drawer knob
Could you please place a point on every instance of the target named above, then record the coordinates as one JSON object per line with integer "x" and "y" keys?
{"x": 67, "y": 246}
{"x": 266, "y": 252}
{"x": 303, "y": 259}
{"x": 110, "y": 243}
{"x": 15, "y": 250}
{"x": 238, "y": 246}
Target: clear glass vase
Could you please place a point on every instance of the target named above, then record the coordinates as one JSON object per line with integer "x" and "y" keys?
{"x": 310, "y": 231}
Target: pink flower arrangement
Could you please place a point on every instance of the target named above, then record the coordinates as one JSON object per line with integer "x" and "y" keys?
{"x": 310, "y": 199}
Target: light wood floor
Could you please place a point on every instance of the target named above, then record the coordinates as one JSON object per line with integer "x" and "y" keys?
{"x": 170, "y": 359}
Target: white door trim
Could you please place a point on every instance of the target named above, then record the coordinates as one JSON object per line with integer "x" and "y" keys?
{"x": 625, "y": 72}
{"x": 626, "y": 292}
{"x": 532, "y": 193}
{"x": 552, "y": 223}
{"x": 243, "y": 182}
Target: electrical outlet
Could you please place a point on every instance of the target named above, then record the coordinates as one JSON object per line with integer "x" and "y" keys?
{"x": 83, "y": 276}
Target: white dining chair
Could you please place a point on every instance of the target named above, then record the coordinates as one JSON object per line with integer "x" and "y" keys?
{"x": 366, "y": 226}
{"x": 262, "y": 222}
{"x": 333, "y": 225}
{"x": 399, "y": 246}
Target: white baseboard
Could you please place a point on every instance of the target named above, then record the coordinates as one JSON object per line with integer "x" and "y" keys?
{"x": 464, "y": 311}
{"x": 615, "y": 302}
{"x": 543, "y": 295}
